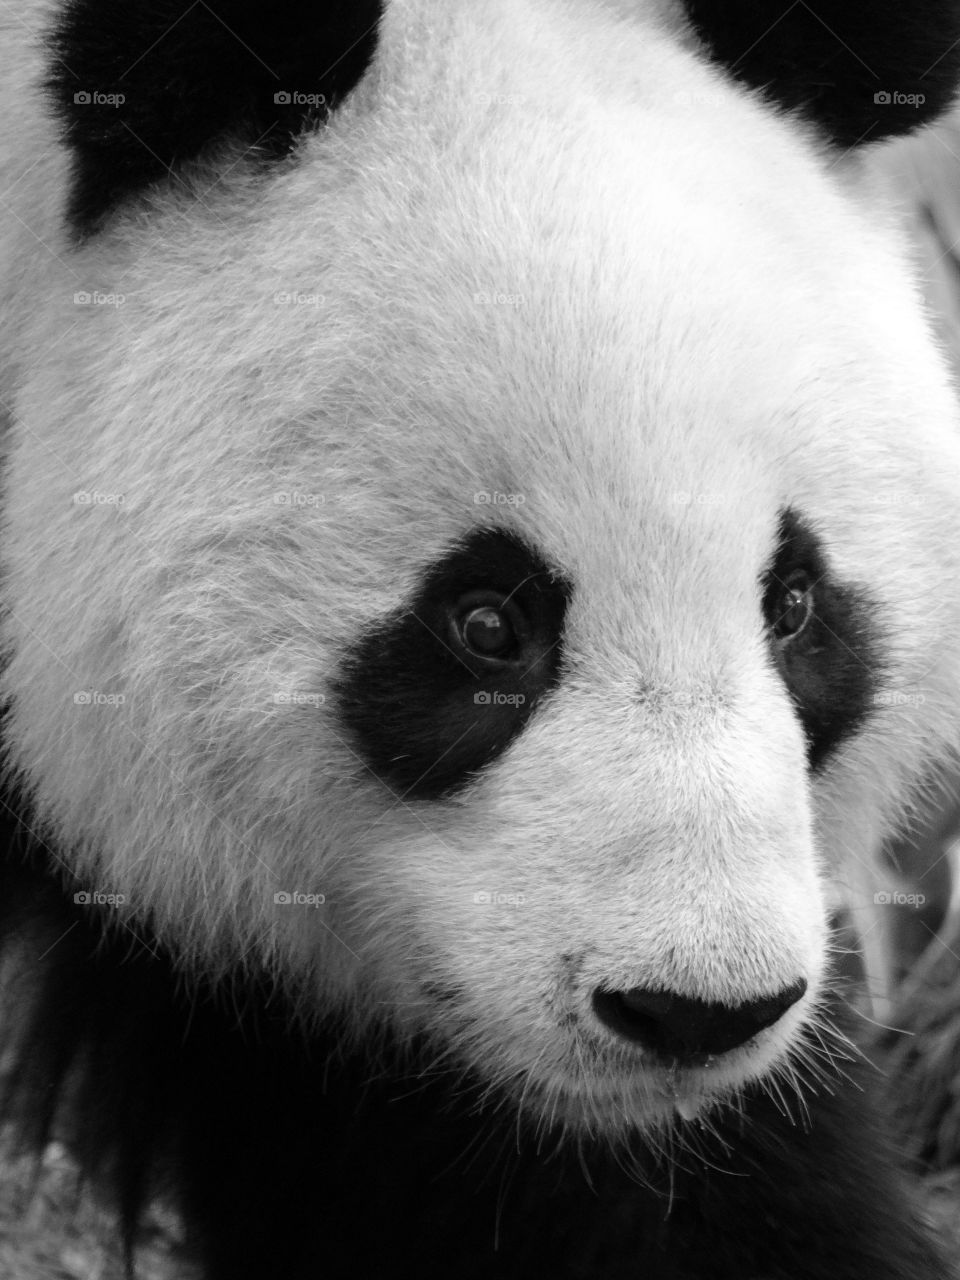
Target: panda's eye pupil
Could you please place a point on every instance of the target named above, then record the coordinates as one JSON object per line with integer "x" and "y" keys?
{"x": 794, "y": 606}
{"x": 487, "y": 632}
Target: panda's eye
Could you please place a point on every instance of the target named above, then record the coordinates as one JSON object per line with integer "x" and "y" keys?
{"x": 794, "y": 605}
{"x": 487, "y": 628}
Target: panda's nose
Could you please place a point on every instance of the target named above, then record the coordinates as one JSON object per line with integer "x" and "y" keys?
{"x": 684, "y": 1030}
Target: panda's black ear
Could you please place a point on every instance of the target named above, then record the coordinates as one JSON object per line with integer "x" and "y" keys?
{"x": 861, "y": 71}
{"x": 143, "y": 86}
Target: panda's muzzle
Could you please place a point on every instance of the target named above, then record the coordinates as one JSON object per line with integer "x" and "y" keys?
{"x": 683, "y": 1031}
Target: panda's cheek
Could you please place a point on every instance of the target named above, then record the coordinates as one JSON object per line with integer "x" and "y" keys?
{"x": 525, "y": 911}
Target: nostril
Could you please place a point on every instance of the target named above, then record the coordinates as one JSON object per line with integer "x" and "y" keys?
{"x": 678, "y": 1027}
{"x": 636, "y": 1014}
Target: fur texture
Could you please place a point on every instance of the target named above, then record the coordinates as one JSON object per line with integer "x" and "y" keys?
{"x": 862, "y": 72}
{"x": 546, "y": 271}
{"x": 295, "y": 1158}
{"x": 144, "y": 89}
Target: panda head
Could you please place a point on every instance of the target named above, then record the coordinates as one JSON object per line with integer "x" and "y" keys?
{"x": 482, "y": 558}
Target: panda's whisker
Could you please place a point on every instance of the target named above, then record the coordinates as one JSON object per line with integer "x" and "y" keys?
{"x": 794, "y": 1090}
{"x": 874, "y": 1022}
{"x": 771, "y": 1085}
{"x": 825, "y": 1075}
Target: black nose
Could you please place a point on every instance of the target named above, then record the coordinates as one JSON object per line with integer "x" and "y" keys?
{"x": 682, "y": 1030}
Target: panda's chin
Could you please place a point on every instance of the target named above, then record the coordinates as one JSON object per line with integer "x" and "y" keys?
{"x": 629, "y": 1094}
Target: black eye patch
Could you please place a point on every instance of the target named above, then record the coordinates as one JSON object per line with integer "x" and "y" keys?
{"x": 824, "y": 639}
{"x": 442, "y": 687}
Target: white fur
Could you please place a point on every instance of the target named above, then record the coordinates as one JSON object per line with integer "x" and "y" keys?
{"x": 709, "y": 328}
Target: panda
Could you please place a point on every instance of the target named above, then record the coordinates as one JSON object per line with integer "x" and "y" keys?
{"x": 480, "y": 544}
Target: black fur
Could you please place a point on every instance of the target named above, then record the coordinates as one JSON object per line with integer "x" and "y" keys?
{"x": 294, "y": 1160}
{"x": 191, "y": 74}
{"x": 833, "y": 669}
{"x": 427, "y": 715}
{"x": 830, "y": 60}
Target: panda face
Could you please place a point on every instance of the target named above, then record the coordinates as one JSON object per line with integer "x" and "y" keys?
{"x": 496, "y": 626}
{"x": 588, "y": 823}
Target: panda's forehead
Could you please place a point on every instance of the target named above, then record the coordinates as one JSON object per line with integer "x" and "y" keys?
{"x": 142, "y": 98}
{"x": 633, "y": 431}
{"x": 569, "y": 324}
{"x": 609, "y": 289}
